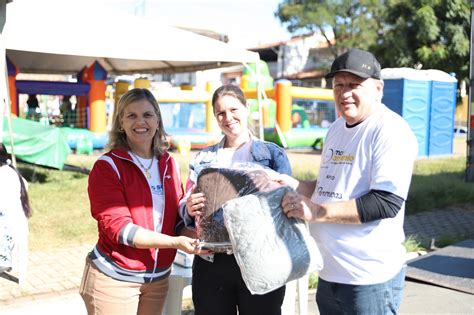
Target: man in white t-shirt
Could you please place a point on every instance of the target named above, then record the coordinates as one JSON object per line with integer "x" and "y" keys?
{"x": 357, "y": 205}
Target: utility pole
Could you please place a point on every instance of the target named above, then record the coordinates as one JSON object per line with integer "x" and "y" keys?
{"x": 470, "y": 113}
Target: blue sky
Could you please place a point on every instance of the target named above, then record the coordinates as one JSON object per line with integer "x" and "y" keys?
{"x": 246, "y": 22}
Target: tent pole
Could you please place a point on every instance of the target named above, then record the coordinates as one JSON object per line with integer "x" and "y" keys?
{"x": 469, "y": 176}
{"x": 9, "y": 120}
{"x": 259, "y": 101}
{"x": 260, "y": 94}
{"x": 3, "y": 89}
{"x": 5, "y": 95}
{"x": 3, "y": 67}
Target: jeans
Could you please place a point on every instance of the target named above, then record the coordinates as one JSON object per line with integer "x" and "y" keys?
{"x": 381, "y": 298}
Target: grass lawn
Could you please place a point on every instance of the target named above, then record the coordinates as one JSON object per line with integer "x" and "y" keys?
{"x": 437, "y": 183}
{"x": 61, "y": 207}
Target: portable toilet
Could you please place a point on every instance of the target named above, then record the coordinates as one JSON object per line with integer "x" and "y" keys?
{"x": 407, "y": 92}
{"x": 427, "y": 101}
{"x": 443, "y": 108}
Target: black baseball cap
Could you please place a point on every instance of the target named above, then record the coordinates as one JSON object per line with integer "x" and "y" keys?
{"x": 358, "y": 62}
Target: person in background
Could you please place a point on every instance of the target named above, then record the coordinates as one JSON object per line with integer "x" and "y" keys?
{"x": 14, "y": 213}
{"x": 67, "y": 112}
{"x": 33, "y": 107}
{"x": 217, "y": 284}
{"x": 65, "y": 104}
{"x": 134, "y": 191}
{"x": 357, "y": 205}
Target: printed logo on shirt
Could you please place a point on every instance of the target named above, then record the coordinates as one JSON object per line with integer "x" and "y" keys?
{"x": 157, "y": 189}
{"x": 337, "y": 157}
{"x": 328, "y": 156}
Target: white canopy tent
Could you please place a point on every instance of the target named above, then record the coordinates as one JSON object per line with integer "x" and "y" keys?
{"x": 53, "y": 36}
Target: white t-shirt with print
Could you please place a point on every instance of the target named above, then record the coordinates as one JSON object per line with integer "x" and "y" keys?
{"x": 376, "y": 154}
{"x": 156, "y": 188}
{"x": 223, "y": 157}
{"x": 230, "y": 155}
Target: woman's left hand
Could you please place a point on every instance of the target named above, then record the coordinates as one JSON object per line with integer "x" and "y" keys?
{"x": 195, "y": 203}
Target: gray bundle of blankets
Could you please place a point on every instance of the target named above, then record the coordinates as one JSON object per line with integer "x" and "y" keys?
{"x": 243, "y": 215}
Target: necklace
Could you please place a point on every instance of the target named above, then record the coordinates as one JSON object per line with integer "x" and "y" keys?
{"x": 146, "y": 169}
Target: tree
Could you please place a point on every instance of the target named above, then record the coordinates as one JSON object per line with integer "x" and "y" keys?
{"x": 344, "y": 23}
{"x": 432, "y": 34}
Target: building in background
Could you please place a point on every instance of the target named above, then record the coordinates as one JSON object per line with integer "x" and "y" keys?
{"x": 303, "y": 59}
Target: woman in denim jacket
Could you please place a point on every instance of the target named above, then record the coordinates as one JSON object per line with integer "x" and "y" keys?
{"x": 218, "y": 287}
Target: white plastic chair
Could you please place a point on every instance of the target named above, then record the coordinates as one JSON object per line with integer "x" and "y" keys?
{"x": 179, "y": 279}
{"x": 296, "y": 288}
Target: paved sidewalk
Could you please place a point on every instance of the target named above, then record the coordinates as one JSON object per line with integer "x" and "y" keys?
{"x": 439, "y": 224}
{"x": 55, "y": 273}
{"x": 50, "y": 273}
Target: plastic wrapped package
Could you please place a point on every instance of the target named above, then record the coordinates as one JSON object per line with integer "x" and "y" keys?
{"x": 270, "y": 248}
{"x": 221, "y": 184}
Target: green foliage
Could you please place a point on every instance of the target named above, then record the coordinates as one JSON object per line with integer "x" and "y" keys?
{"x": 353, "y": 23}
{"x": 431, "y": 33}
{"x": 438, "y": 183}
{"x": 412, "y": 245}
{"x": 61, "y": 214}
{"x": 402, "y": 33}
{"x": 447, "y": 240}
{"x": 313, "y": 280}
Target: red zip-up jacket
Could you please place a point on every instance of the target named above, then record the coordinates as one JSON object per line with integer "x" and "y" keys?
{"x": 121, "y": 202}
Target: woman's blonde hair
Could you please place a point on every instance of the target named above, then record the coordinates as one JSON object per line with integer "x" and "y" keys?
{"x": 118, "y": 138}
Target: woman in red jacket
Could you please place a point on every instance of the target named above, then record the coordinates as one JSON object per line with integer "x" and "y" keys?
{"x": 134, "y": 191}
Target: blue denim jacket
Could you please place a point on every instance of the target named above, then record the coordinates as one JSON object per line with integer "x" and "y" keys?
{"x": 264, "y": 153}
